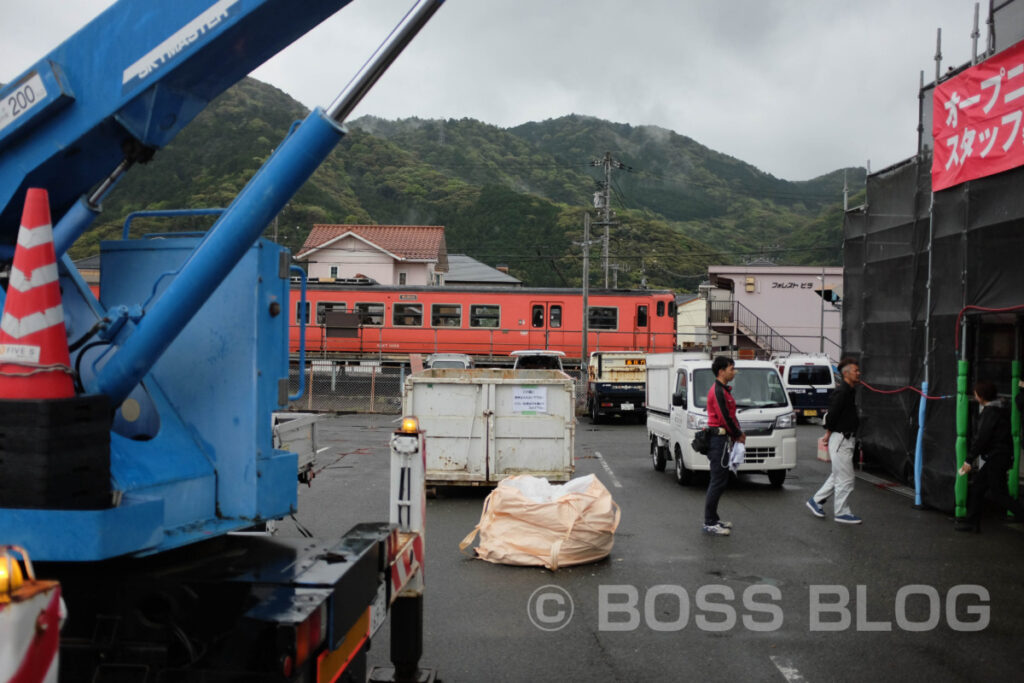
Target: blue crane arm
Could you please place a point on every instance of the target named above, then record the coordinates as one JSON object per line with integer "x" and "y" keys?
{"x": 190, "y": 454}
{"x": 125, "y": 84}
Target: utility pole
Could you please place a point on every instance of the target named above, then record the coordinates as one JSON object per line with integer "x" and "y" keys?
{"x": 585, "y": 359}
{"x": 602, "y": 200}
{"x": 821, "y": 332}
{"x": 277, "y": 216}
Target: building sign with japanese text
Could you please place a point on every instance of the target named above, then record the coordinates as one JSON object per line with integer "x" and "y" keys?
{"x": 976, "y": 120}
{"x": 792, "y": 285}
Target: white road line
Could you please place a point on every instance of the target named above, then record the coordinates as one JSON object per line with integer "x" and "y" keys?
{"x": 325, "y": 448}
{"x": 787, "y": 670}
{"x": 604, "y": 464}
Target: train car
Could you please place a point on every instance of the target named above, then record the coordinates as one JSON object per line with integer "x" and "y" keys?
{"x": 485, "y": 322}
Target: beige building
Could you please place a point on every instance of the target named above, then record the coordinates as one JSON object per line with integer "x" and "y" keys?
{"x": 398, "y": 255}
{"x": 761, "y": 309}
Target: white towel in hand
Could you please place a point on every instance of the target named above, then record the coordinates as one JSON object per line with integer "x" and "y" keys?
{"x": 736, "y": 455}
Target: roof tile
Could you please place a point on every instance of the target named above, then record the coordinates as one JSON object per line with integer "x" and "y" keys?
{"x": 414, "y": 242}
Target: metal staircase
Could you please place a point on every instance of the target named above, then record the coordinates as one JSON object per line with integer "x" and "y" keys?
{"x": 742, "y": 320}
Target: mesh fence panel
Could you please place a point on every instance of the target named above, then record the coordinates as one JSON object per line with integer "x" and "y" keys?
{"x": 337, "y": 387}
{"x": 333, "y": 386}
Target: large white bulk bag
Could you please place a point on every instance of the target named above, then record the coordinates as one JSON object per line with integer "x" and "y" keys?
{"x": 528, "y": 521}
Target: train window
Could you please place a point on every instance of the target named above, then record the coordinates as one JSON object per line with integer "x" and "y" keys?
{"x": 672, "y": 309}
{"x": 555, "y": 317}
{"x": 661, "y": 309}
{"x": 641, "y": 316}
{"x": 484, "y": 316}
{"x": 603, "y": 318}
{"x": 538, "y": 315}
{"x": 325, "y": 307}
{"x": 370, "y": 314}
{"x": 299, "y": 312}
{"x": 446, "y": 315}
{"x": 407, "y": 315}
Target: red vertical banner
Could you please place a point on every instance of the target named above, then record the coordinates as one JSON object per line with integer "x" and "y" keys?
{"x": 977, "y": 121}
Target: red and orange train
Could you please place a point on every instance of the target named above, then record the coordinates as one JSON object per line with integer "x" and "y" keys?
{"x": 486, "y": 322}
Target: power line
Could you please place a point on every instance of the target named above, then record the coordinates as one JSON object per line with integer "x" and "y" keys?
{"x": 625, "y": 256}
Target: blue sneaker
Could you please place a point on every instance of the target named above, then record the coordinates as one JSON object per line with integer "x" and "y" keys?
{"x": 815, "y": 509}
{"x": 848, "y": 519}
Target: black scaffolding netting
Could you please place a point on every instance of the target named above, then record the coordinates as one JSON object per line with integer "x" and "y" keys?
{"x": 975, "y": 234}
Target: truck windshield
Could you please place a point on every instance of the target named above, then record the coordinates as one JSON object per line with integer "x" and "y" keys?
{"x": 752, "y": 388}
{"x": 538, "y": 363}
{"x": 807, "y": 375}
{"x": 442, "y": 364}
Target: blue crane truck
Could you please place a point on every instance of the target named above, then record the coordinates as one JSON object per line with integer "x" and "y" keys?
{"x": 130, "y": 495}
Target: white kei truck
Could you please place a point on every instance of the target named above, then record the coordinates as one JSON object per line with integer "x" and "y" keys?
{"x": 677, "y": 389}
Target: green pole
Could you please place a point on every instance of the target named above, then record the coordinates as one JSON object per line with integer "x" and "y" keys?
{"x": 962, "y": 405}
{"x": 1014, "y": 475}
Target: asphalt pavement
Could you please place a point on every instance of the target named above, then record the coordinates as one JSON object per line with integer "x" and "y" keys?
{"x": 786, "y": 597}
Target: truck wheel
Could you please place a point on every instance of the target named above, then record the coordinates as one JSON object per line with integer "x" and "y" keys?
{"x": 776, "y": 477}
{"x": 683, "y": 475}
{"x": 657, "y": 456}
{"x": 595, "y": 416}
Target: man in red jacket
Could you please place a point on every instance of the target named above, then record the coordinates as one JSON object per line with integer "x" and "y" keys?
{"x": 725, "y": 430}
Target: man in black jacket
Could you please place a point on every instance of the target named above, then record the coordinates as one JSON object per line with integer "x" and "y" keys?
{"x": 841, "y": 424}
{"x": 992, "y": 453}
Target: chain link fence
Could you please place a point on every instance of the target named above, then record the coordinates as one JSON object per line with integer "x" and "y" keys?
{"x": 339, "y": 387}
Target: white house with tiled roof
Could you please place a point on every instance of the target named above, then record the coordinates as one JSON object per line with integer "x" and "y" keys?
{"x": 414, "y": 255}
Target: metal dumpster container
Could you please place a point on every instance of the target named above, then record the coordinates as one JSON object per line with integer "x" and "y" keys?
{"x": 485, "y": 424}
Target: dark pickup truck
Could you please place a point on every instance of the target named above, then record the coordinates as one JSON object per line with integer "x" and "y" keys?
{"x": 616, "y": 385}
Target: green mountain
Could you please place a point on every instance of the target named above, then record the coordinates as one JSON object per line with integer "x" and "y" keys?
{"x": 515, "y": 196}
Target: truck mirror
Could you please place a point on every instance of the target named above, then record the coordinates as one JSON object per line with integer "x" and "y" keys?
{"x": 677, "y": 399}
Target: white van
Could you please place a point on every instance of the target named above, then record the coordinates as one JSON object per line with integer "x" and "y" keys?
{"x": 677, "y": 390}
{"x": 442, "y": 361}
{"x": 809, "y": 381}
{"x": 538, "y": 359}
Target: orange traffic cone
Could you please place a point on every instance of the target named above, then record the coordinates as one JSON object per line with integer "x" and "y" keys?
{"x": 34, "y": 360}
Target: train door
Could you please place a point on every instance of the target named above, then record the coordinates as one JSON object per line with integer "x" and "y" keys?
{"x": 547, "y": 319}
{"x": 642, "y": 327}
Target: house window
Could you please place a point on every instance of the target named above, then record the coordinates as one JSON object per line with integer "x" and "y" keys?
{"x": 401, "y": 278}
{"x": 407, "y": 315}
{"x": 325, "y": 307}
{"x": 603, "y": 318}
{"x": 555, "y": 316}
{"x": 334, "y": 271}
{"x": 446, "y": 315}
{"x": 301, "y": 311}
{"x": 370, "y": 314}
{"x": 484, "y": 316}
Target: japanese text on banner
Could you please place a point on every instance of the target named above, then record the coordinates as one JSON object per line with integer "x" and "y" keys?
{"x": 976, "y": 120}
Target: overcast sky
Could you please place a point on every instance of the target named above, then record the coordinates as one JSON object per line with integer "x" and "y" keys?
{"x": 797, "y": 88}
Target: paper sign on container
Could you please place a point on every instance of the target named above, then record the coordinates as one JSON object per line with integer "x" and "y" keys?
{"x": 530, "y": 400}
